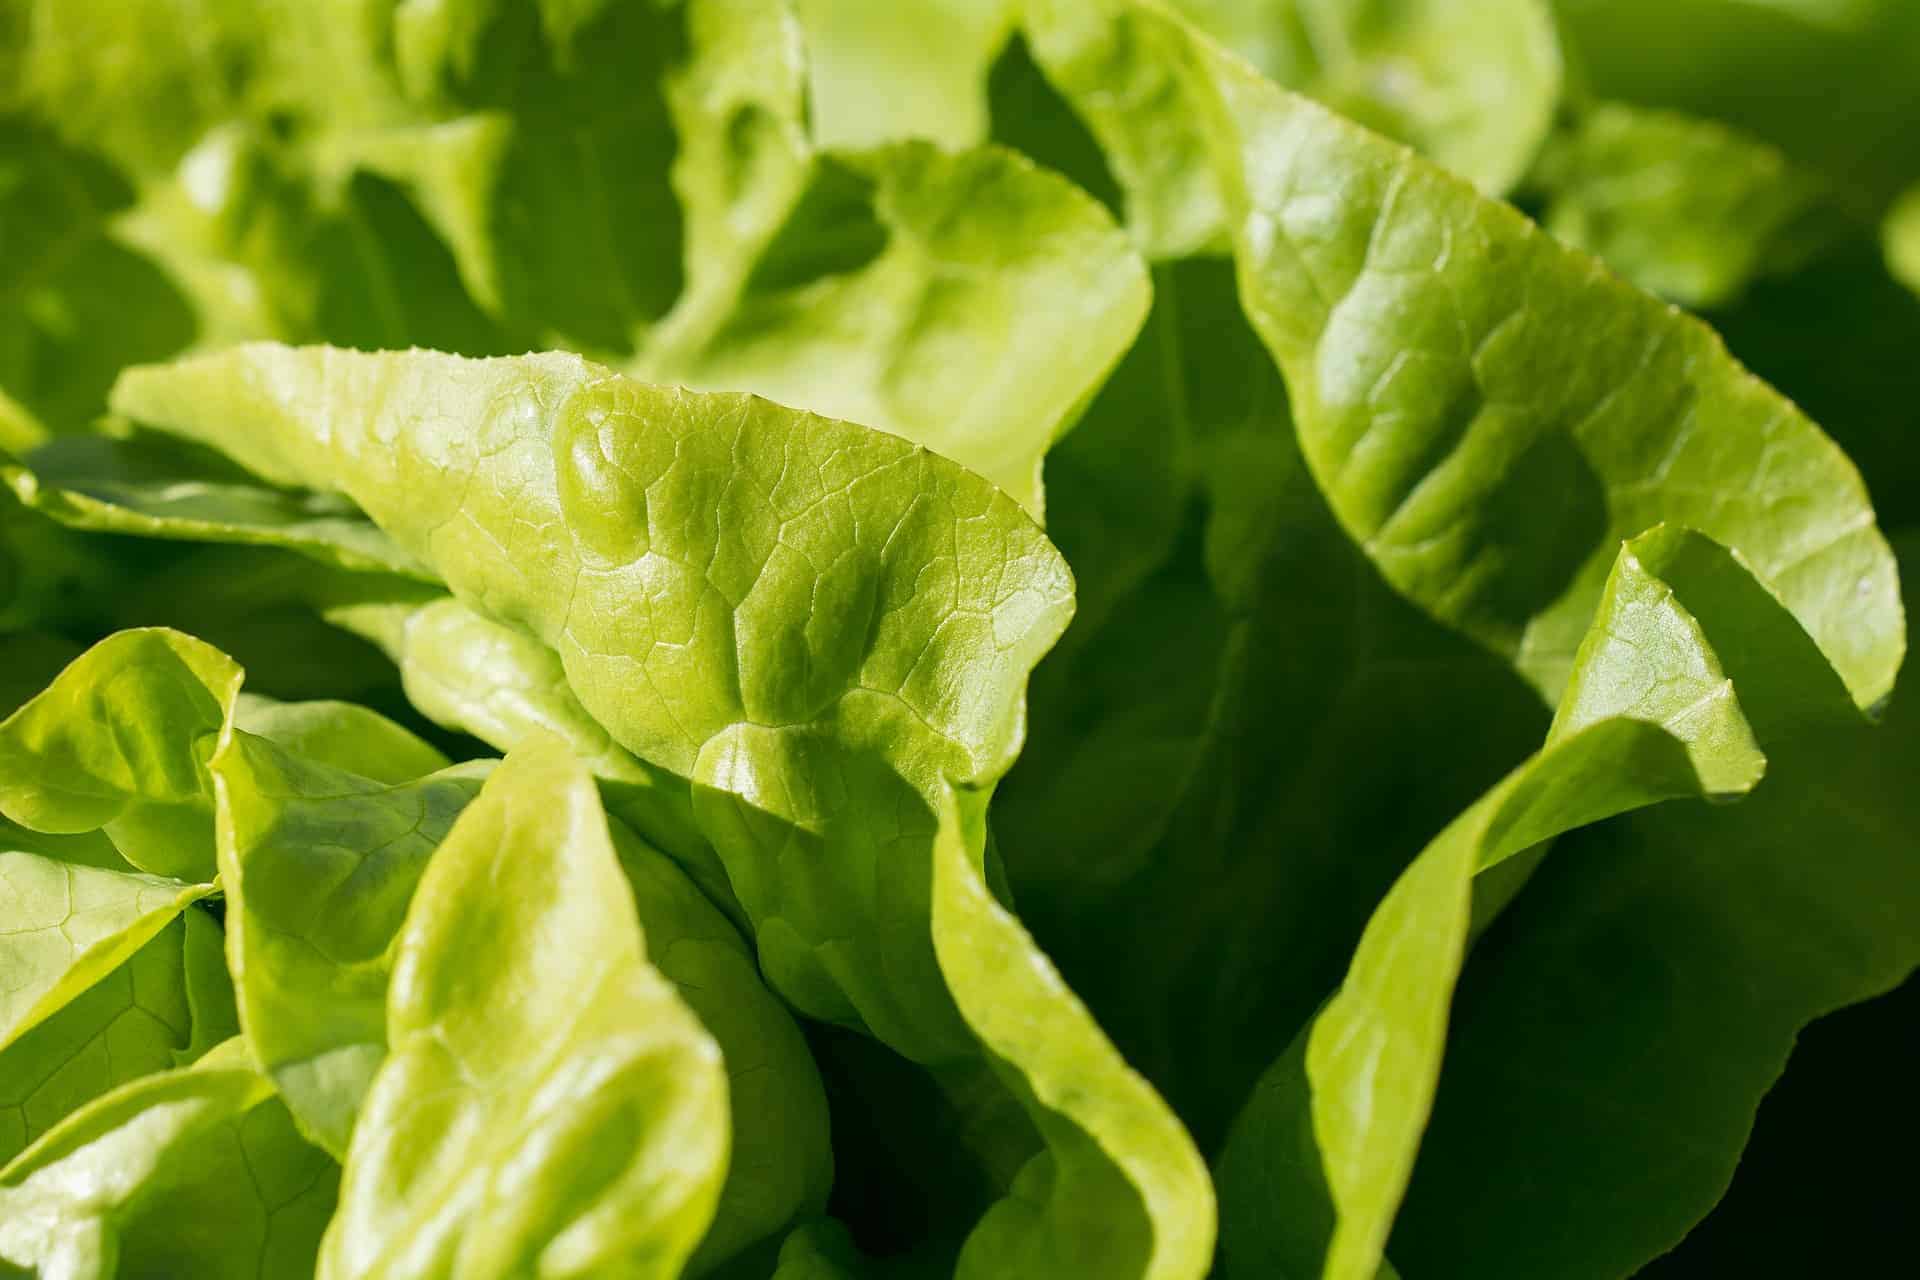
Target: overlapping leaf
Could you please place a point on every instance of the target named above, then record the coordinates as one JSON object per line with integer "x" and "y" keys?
{"x": 551, "y": 496}
{"x": 1486, "y": 460}
{"x": 1358, "y": 484}
{"x": 1687, "y": 209}
{"x": 156, "y": 489}
{"x": 322, "y": 859}
{"x": 1472, "y": 86}
{"x": 482, "y": 1147}
{"x": 1725, "y": 931}
{"x": 159, "y": 1008}
{"x": 193, "y": 1171}
{"x": 103, "y": 850}
{"x": 1654, "y": 711}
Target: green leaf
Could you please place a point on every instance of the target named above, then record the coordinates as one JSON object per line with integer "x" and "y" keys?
{"x": 1687, "y": 946}
{"x": 1130, "y": 98}
{"x": 858, "y": 633}
{"x": 101, "y": 989}
{"x": 117, "y": 743}
{"x": 968, "y": 300}
{"x": 1473, "y": 87}
{"x": 483, "y": 1146}
{"x": 1486, "y": 461}
{"x": 1201, "y": 878}
{"x": 1106, "y": 1141}
{"x": 780, "y": 1166}
{"x": 319, "y": 865}
{"x": 161, "y": 1008}
{"x": 1684, "y": 208}
{"x": 103, "y": 980}
{"x": 1828, "y": 82}
{"x": 503, "y": 686}
{"x": 1902, "y": 239}
{"x": 991, "y": 299}
{"x": 159, "y": 488}
{"x": 878, "y": 72}
{"x": 70, "y": 926}
{"x": 343, "y": 735}
{"x": 195, "y": 1171}
{"x": 1650, "y": 714}
{"x": 878, "y": 602}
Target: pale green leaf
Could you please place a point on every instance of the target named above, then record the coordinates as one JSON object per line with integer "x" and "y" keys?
{"x": 483, "y": 1148}
{"x": 117, "y": 743}
{"x": 319, "y": 865}
{"x": 195, "y": 1171}
{"x": 836, "y": 623}
{"x": 988, "y": 299}
{"x": 69, "y": 926}
{"x": 503, "y": 686}
{"x": 343, "y": 735}
{"x": 966, "y": 300}
{"x": 1105, "y": 1141}
{"x": 879, "y": 71}
{"x": 931, "y": 596}
{"x": 1472, "y": 86}
{"x": 162, "y": 1008}
{"x": 780, "y": 1166}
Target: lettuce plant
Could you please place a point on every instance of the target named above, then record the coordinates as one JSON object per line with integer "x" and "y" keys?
{"x": 814, "y": 639}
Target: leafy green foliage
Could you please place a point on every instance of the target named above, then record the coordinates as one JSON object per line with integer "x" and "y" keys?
{"x": 1685, "y": 208}
{"x": 196, "y": 1169}
{"x": 319, "y": 863}
{"x": 1423, "y": 335}
{"x": 158, "y": 489}
{"x": 1818, "y": 854}
{"x": 502, "y": 685}
{"x": 160, "y": 1007}
{"x": 1312, "y": 843}
{"x": 1472, "y": 86}
{"x": 634, "y": 489}
{"x": 797, "y": 730}
{"x": 892, "y": 285}
{"x": 1828, "y": 82}
{"x": 564, "y": 1046}
{"x": 1650, "y": 715}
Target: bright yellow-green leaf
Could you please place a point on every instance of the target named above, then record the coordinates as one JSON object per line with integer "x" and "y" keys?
{"x": 487, "y": 1143}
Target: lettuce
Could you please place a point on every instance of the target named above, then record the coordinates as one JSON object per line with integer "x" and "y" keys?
{"x": 820, "y": 639}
